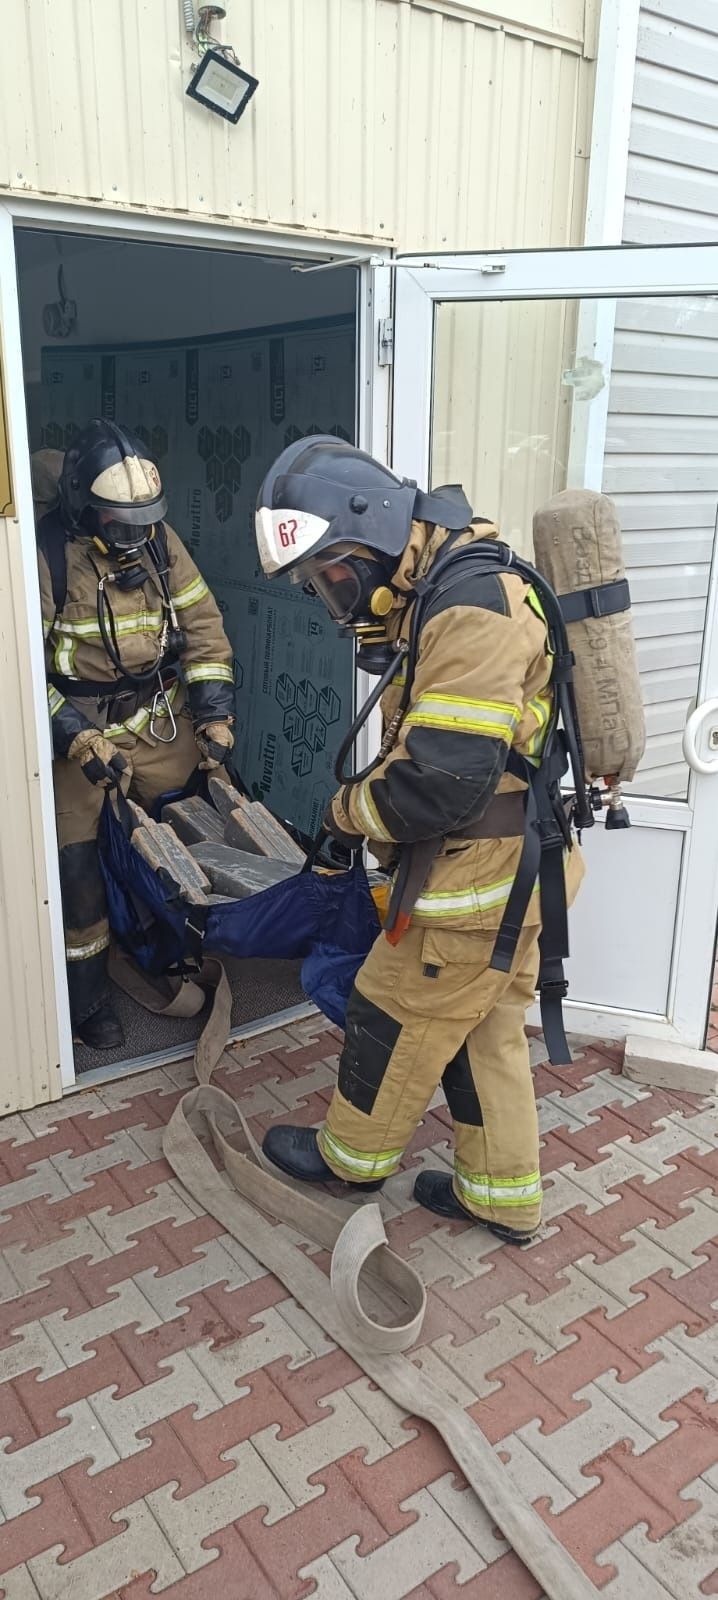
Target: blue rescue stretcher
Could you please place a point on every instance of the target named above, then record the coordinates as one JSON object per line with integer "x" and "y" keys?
{"x": 326, "y": 920}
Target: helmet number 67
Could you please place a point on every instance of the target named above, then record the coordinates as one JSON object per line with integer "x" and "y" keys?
{"x": 287, "y": 533}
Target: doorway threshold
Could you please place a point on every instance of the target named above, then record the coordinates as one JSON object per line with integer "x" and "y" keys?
{"x": 183, "y": 1050}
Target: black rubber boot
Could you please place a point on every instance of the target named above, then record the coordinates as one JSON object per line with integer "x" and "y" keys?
{"x": 435, "y": 1191}
{"x": 296, "y": 1152}
{"x": 102, "y": 1031}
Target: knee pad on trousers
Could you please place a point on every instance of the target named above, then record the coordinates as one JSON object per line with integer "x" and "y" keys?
{"x": 369, "y": 1041}
{"x": 83, "y": 891}
{"x": 460, "y": 1090}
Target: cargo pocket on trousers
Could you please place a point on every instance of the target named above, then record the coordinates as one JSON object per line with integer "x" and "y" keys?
{"x": 455, "y": 973}
{"x": 370, "y": 1037}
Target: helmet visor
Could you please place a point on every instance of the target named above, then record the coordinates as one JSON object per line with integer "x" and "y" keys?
{"x": 115, "y": 532}
{"x": 334, "y": 579}
{"x": 138, "y": 514}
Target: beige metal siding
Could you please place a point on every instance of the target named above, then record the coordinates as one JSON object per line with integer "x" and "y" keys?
{"x": 385, "y": 119}
{"x": 398, "y": 121}
{"x": 501, "y": 415}
{"x": 29, "y": 1069}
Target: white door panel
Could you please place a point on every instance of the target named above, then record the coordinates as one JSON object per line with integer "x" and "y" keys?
{"x": 515, "y": 374}
{"x": 625, "y": 959}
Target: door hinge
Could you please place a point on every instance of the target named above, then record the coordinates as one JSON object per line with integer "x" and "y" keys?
{"x": 386, "y": 341}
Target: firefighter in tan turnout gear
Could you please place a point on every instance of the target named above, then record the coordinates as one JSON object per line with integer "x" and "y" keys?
{"x": 140, "y": 679}
{"x": 428, "y": 1008}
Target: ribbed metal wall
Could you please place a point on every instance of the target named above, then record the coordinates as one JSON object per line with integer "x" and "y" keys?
{"x": 411, "y": 122}
{"x": 395, "y": 120}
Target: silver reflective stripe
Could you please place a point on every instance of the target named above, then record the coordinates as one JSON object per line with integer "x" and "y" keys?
{"x": 465, "y": 901}
{"x": 189, "y": 596}
{"x": 89, "y": 627}
{"x": 140, "y": 719}
{"x": 363, "y": 1165}
{"x": 65, "y": 656}
{"x": 483, "y": 1190}
{"x": 373, "y": 825}
{"x": 209, "y": 672}
{"x": 495, "y": 718}
{"x": 55, "y": 699}
{"x": 82, "y": 952}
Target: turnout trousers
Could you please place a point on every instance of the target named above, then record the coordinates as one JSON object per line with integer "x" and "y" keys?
{"x": 156, "y": 769}
{"x": 429, "y": 1011}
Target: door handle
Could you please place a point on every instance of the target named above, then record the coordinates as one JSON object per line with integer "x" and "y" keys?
{"x": 695, "y": 722}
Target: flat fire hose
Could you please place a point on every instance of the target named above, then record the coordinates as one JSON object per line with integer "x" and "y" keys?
{"x": 364, "y": 1272}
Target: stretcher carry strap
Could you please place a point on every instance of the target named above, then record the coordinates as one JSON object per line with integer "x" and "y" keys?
{"x": 373, "y": 1303}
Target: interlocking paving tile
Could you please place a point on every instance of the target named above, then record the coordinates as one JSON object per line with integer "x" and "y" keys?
{"x": 172, "y": 1420}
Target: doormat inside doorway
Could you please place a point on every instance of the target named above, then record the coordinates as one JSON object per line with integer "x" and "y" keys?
{"x": 259, "y": 989}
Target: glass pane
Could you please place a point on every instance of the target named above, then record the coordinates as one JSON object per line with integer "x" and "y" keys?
{"x": 534, "y": 396}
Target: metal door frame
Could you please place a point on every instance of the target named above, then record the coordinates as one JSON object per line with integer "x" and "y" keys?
{"x": 607, "y": 273}
{"x": 374, "y": 303}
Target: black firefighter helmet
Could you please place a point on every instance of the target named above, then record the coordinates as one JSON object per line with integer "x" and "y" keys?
{"x": 321, "y": 492}
{"x": 110, "y": 488}
{"x": 335, "y": 520}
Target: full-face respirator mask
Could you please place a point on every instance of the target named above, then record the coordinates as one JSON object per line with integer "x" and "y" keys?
{"x": 353, "y": 586}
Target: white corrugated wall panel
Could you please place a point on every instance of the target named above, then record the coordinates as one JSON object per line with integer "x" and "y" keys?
{"x": 672, "y": 185}
{"x": 377, "y": 119}
{"x": 662, "y": 436}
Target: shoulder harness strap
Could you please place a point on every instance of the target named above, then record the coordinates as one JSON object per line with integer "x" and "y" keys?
{"x": 548, "y": 820}
{"x": 52, "y": 541}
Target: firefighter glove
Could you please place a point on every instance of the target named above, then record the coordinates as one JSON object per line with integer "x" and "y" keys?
{"x": 101, "y": 763}
{"x": 215, "y": 743}
{"x": 339, "y": 825}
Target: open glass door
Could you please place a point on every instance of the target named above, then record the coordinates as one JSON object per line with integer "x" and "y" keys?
{"x": 521, "y": 374}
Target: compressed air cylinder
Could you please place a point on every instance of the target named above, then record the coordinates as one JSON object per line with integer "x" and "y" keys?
{"x": 45, "y": 467}
{"x": 578, "y": 548}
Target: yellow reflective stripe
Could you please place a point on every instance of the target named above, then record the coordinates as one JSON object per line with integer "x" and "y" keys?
{"x": 372, "y": 823}
{"x": 209, "y": 672}
{"x": 483, "y": 1190}
{"x": 140, "y": 719}
{"x": 192, "y": 592}
{"x": 89, "y": 627}
{"x": 360, "y": 1164}
{"x": 47, "y": 624}
{"x": 82, "y": 952}
{"x": 496, "y": 718}
{"x": 55, "y": 699}
{"x": 463, "y": 902}
{"x": 540, "y": 708}
{"x": 65, "y": 650}
{"x": 534, "y": 601}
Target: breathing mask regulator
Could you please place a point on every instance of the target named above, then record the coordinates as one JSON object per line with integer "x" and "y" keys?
{"x": 111, "y": 493}
{"x": 355, "y": 587}
{"x": 336, "y": 521}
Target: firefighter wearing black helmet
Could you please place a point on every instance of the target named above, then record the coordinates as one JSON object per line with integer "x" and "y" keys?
{"x": 465, "y": 707}
{"x": 140, "y": 679}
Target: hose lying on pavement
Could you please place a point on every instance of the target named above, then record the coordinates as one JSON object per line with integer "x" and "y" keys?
{"x": 365, "y": 1274}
